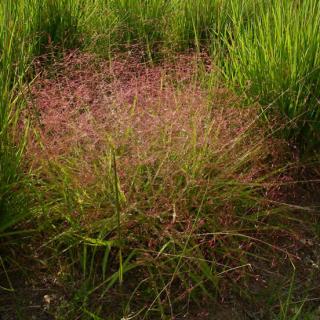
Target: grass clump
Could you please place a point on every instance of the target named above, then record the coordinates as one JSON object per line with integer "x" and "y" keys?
{"x": 273, "y": 60}
{"x": 151, "y": 191}
{"x": 163, "y": 216}
{"x": 192, "y": 221}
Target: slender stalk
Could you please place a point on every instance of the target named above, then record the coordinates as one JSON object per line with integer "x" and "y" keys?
{"x": 118, "y": 214}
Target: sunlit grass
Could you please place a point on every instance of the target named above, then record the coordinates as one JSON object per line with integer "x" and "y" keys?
{"x": 274, "y": 56}
{"x": 159, "y": 218}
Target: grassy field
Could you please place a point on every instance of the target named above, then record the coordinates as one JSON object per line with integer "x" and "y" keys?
{"x": 159, "y": 159}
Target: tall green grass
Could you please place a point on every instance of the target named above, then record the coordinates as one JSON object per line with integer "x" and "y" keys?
{"x": 274, "y": 56}
{"x": 27, "y": 29}
{"x": 153, "y": 26}
{"x": 55, "y": 23}
{"x": 14, "y": 55}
